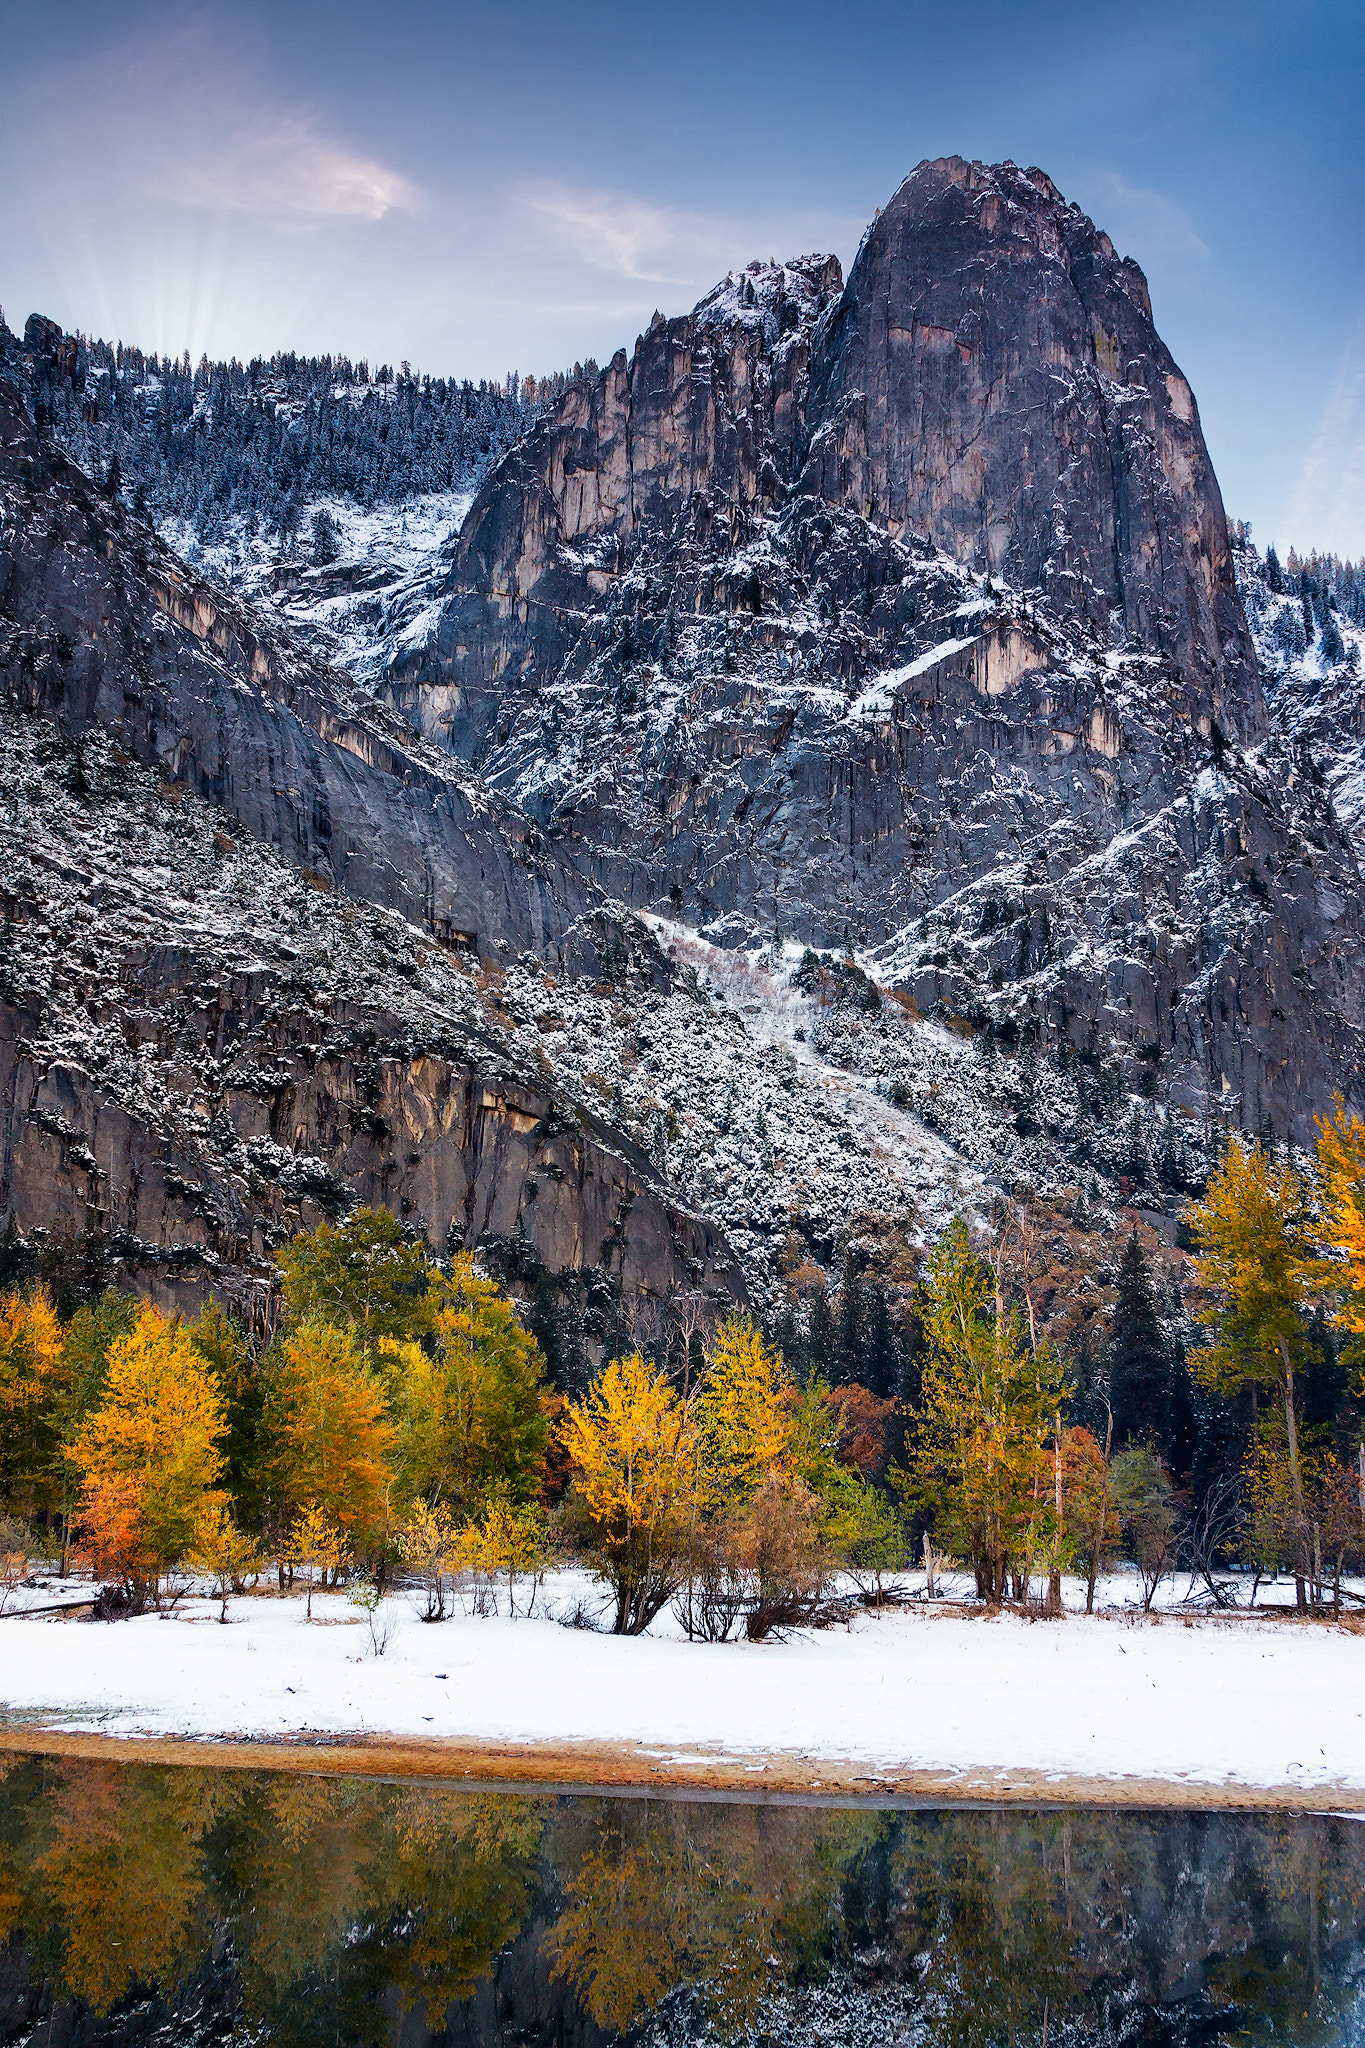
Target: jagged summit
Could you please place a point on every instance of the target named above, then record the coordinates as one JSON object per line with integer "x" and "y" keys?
{"x": 990, "y": 375}
{"x": 779, "y": 298}
{"x": 988, "y": 378}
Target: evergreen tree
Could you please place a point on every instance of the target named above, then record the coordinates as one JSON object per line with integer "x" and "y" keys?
{"x": 821, "y": 1343}
{"x": 326, "y": 539}
{"x": 1139, "y": 1370}
{"x": 785, "y": 1331}
{"x": 852, "y": 1318}
{"x": 557, "y": 1326}
{"x": 881, "y": 1351}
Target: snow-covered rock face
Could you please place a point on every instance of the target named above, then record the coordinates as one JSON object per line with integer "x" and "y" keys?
{"x": 684, "y": 654}
{"x": 102, "y": 624}
{"x": 1308, "y": 619}
{"x": 203, "y": 1049}
{"x": 692, "y": 629}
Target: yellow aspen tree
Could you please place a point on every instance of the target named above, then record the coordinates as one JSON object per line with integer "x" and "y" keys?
{"x": 982, "y": 1458}
{"x": 429, "y": 1545}
{"x": 150, "y": 1455}
{"x": 224, "y": 1556}
{"x": 328, "y": 1433}
{"x": 31, "y": 1354}
{"x": 633, "y": 1444}
{"x": 744, "y": 1420}
{"x": 319, "y": 1545}
{"x": 471, "y": 1420}
{"x": 507, "y": 1539}
{"x": 1258, "y": 1264}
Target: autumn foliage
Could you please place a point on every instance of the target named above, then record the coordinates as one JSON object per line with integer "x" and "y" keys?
{"x": 398, "y": 1422}
{"x": 151, "y": 1455}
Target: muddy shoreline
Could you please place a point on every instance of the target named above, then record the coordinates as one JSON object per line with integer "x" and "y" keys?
{"x": 635, "y": 1769}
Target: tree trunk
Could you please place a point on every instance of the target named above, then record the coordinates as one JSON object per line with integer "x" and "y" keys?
{"x": 1295, "y": 1478}
{"x": 1317, "y": 1566}
{"x": 1102, "y": 1518}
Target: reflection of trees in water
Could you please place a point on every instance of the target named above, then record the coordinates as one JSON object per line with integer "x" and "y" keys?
{"x": 103, "y": 1871}
{"x": 726, "y": 1900}
{"x": 340, "y": 1905}
{"x": 1019, "y": 1922}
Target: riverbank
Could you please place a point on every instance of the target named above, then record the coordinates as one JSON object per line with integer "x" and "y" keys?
{"x": 916, "y": 1703}
{"x": 634, "y": 1769}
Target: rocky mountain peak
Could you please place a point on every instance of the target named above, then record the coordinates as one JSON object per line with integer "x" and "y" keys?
{"x": 778, "y": 298}
{"x": 991, "y": 376}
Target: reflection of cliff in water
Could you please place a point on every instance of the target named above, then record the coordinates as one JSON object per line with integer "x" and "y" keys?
{"x": 198, "y": 1905}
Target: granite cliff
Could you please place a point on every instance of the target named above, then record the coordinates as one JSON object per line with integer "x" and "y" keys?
{"x": 891, "y": 617}
{"x": 901, "y": 614}
{"x": 247, "y": 921}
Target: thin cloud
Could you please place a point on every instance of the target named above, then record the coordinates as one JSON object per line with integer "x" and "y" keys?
{"x": 1327, "y": 509}
{"x": 281, "y": 167}
{"x": 186, "y": 121}
{"x": 623, "y": 236}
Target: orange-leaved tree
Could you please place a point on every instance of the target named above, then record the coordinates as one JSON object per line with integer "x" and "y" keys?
{"x": 326, "y": 1427}
{"x": 1090, "y": 1506}
{"x": 1341, "y": 1176}
{"x": 633, "y": 1444}
{"x": 150, "y": 1455}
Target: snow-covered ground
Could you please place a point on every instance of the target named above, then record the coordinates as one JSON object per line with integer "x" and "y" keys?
{"x": 1232, "y": 1703}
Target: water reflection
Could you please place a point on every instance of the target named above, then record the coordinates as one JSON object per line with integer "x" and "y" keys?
{"x": 198, "y": 1905}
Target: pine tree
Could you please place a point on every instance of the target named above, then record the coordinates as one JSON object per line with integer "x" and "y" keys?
{"x": 326, "y": 541}
{"x": 881, "y": 1351}
{"x": 821, "y": 1345}
{"x": 1139, "y": 1369}
{"x": 557, "y": 1326}
{"x": 849, "y": 1367}
{"x": 363, "y": 1275}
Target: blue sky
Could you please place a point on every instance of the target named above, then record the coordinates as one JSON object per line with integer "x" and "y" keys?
{"x": 478, "y": 188}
